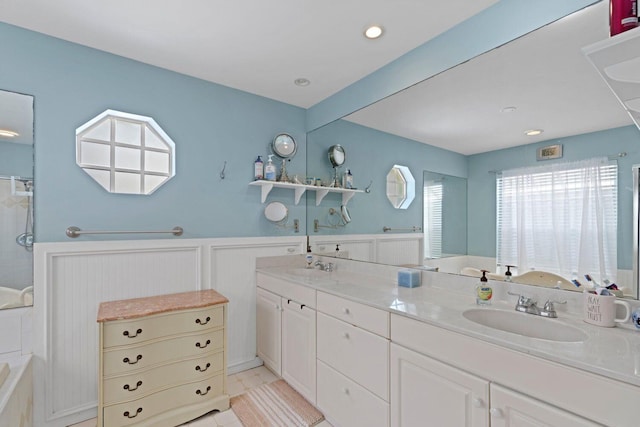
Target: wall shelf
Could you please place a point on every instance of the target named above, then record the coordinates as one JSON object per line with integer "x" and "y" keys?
{"x": 299, "y": 189}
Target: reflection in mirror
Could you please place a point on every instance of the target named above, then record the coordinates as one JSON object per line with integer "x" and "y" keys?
{"x": 548, "y": 83}
{"x": 445, "y": 218}
{"x": 16, "y": 199}
{"x": 401, "y": 187}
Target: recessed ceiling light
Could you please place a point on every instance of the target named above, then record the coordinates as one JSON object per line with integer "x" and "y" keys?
{"x": 373, "y": 32}
{"x": 302, "y": 82}
{"x": 533, "y": 132}
{"x": 8, "y": 133}
{"x": 508, "y": 109}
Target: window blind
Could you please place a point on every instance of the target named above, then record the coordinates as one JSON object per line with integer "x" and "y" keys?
{"x": 432, "y": 222}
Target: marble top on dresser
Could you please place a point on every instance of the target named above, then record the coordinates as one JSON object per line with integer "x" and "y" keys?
{"x": 139, "y": 307}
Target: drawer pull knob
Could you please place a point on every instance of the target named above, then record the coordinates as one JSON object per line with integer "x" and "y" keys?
{"x": 198, "y": 368}
{"x": 138, "y": 384}
{"x": 345, "y": 391}
{"x": 478, "y": 403}
{"x": 138, "y": 358}
{"x": 128, "y": 335}
{"x": 346, "y": 335}
{"x": 496, "y": 412}
{"x": 302, "y": 306}
{"x": 201, "y": 393}
{"x": 201, "y": 323}
{"x": 203, "y": 346}
{"x": 128, "y": 415}
{"x": 346, "y": 310}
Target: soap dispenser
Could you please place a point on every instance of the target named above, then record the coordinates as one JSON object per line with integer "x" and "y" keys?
{"x": 270, "y": 169}
{"x": 309, "y": 256}
{"x": 508, "y": 273}
{"x": 483, "y": 290}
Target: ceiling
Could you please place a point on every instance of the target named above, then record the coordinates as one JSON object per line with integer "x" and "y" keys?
{"x": 543, "y": 74}
{"x": 256, "y": 46}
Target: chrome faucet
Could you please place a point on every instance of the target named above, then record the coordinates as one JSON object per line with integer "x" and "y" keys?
{"x": 328, "y": 267}
{"x": 529, "y": 306}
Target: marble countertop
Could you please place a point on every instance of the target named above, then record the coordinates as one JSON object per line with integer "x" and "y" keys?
{"x": 139, "y": 307}
{"x": 611, "y": 352}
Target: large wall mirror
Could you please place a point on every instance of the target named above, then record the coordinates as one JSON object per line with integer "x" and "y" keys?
{"x": 446, "y": 107}
{"x": 16, "y": 199}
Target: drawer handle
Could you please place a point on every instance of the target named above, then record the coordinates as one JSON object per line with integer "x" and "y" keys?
{"x": 203, "y": 346}
{"x": 126, "y": 333}
{"x": 138, "y": 358}
{"x": 201, "y": 323}
{"x": 198, "y": 368}
{"x": 345, "y": 335}
{"x": 128, "y": 415}
{"x": 346, "y": 310}
{"x": 302, "y": 306}
{"x": 345, "y": 391}
{"x": 205, "y": 392}
{"x": 138, "y": 384}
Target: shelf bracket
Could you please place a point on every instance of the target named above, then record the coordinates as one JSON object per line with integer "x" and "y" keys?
{"x": 320, "y": 193}
{"x": 266, "y": 189}
{"x": 299, "y": 192}
{"x": 346, "y": 197}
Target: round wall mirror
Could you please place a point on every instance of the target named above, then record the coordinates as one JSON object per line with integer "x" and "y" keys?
{"x": 284, "y": 146}
{"x": 276, "y": 212}
{"x": 336, "y": 155}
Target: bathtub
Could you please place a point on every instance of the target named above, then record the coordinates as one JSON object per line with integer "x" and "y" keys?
{"x": 10, "y": 297}
{"x": 16, "y": 393}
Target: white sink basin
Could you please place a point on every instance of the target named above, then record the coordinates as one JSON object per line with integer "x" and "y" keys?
{"x": 315, "y": 273}
{"x": 526, "y": 324}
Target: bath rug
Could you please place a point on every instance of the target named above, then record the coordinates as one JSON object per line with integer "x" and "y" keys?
{"x": 275, "y": 405}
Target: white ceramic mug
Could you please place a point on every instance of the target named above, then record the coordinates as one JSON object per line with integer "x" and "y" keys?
{"x": 600, "y": 310}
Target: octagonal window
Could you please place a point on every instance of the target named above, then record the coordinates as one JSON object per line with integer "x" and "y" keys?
{"x": 125, "y": 153}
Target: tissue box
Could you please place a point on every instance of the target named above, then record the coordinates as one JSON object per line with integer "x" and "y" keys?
{"x": 409, "y": 278}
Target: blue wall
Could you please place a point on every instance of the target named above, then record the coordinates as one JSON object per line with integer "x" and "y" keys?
{"x": 209, "y": 123}
{"x": 16, "y": 159}
{"x": 482, "y": 183}
{"x": 370, "y": 154}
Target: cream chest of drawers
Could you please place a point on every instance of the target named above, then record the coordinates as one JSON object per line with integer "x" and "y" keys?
{"x": 162, "y": 359}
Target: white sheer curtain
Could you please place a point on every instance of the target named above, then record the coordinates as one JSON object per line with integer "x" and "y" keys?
{"x": 560, "y": 218}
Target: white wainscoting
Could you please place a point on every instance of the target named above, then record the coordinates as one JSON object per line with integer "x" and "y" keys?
{"x": 72, "y": 278}
{"x": 393, "y": 249}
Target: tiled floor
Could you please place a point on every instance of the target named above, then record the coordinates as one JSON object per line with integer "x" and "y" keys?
{"x": 236, "y": 384}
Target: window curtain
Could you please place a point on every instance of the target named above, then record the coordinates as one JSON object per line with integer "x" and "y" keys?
{"x": 560, "y": 218}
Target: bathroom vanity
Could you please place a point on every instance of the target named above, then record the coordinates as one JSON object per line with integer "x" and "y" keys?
{"x": 162, "y": 359}
{"x": 392, "y": 356}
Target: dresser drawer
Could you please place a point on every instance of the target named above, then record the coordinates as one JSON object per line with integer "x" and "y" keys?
{"x": 132, "y": 331}
{"x": 364, "y": 316}
{"x": 356, "y": 353}
{"x": 348, "y": 403}
{"x": 122, "y": 360}
{"x": 154, "y": 405}
{"x": 134, "y": 386}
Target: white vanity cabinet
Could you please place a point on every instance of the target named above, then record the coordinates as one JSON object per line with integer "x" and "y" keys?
{"x": 353, "y": 362}
{"x": 269, "y": 329}
{"x": 524, "y": 390}
{"x": 512, "y": 409}
{"x": 162, "y": 359}
{"x": 427, "y": 392}
{"x": 286, "y": 332}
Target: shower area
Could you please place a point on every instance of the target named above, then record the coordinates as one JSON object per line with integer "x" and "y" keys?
{"x": 16, "y": 241}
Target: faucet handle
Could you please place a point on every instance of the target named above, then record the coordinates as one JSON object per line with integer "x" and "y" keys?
{"x": 548, "y": 306}
{"x": 523, "y": 300}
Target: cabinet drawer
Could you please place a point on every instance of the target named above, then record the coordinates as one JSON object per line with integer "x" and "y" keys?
{"x": 356, "y": 353}
{"x": 133, "y": 331}
{"x": 364, "y": 316}
{"x": 348, "y": 403}
{"x": 137, "y": 411}
{"x": 135, "y": 386}
{"x": 287, "y": 290}
{"x": 132, "y": 358}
